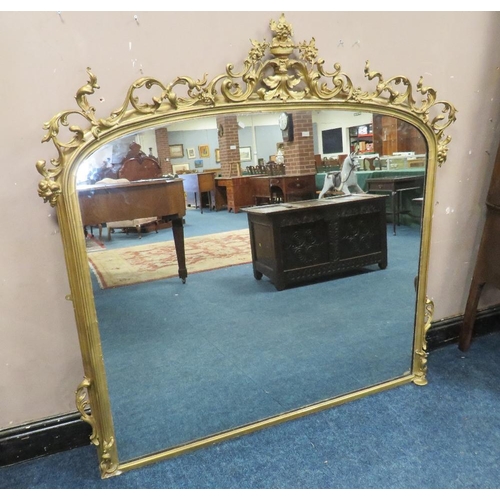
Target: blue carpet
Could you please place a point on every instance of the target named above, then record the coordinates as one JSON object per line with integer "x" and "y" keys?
{"x": 444, "y": 435}
{"x": 225, "y": 350}
{"x": 201, "y": 370}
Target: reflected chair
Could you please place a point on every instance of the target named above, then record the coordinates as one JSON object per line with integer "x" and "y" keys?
{"x": 198, "y": 184}
{"x": 372, "y": 163}
{"x": 277, "y": 195}
{"x": 91, "y": 228}
{"x": 131, "y": 224}
{"x": 341, "y": 159}
{"x": 272, "y": 168}
{"x": 206, "y": 184}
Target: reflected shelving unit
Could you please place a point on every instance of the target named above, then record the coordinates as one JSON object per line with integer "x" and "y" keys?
{"x": 361, "y": 135}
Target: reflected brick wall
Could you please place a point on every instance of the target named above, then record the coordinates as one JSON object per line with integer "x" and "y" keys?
{"x": 163, "y": 148}
{"x": 228, "y": 139}
{"x": 299, "y": 154}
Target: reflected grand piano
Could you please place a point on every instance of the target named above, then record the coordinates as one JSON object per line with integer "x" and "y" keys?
{"x": 163, "y": 198}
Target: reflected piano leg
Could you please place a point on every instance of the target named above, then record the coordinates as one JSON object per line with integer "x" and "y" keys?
{"x": 178, "y": 232}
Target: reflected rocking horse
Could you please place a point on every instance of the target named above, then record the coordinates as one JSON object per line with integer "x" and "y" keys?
{"x": 344, "y": 181}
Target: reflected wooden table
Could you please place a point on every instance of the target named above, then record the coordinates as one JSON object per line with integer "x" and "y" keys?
{"x": 197, "y": 184}
{"x": 247, "y": 190}
{"x": 396, "y": 186}
{"x": 283, "y": 188}
{"x": 233, "y": 193}
{"x": 160, "y": 198}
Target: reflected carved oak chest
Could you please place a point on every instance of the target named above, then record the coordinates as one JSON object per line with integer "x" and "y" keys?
{"x": 302, "y": 241}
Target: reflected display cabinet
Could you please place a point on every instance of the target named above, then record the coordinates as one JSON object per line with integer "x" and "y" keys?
{"x": 361, "y": 137}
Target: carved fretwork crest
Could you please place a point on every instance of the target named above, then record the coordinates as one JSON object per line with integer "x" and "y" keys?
{"x": 280, "y": 70}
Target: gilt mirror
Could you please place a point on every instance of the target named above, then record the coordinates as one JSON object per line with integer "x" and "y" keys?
{"x": 187, "y": 338}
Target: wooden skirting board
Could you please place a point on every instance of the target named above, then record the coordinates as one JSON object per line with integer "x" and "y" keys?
{"x": 447, "y": 331}
{"x": 45, "y": 437}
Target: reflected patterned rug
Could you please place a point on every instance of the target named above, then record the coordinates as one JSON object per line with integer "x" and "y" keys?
{"x": 156, "y": 261}
{"x": 93, "y": 244}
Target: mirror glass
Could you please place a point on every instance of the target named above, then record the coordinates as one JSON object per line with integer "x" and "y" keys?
{"x": 185, "y": 361}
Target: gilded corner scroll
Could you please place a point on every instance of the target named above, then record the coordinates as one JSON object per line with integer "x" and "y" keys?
{"x": 83, "y": 406}
{"x": 108, "y": 465}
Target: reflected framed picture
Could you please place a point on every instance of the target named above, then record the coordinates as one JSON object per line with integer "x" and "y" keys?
{"x": 246, "y": 153}
{"x": 176, "y": 151}
{"x": 204, "y": 151}
{"x": 191, "y": 153}
{"x": 180, "y": 168}
{"x": 217, "y": 155}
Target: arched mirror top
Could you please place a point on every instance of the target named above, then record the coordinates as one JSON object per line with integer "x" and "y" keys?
{"x": 276, "y": 76}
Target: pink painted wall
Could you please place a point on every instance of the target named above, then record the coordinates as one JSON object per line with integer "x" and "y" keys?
{"x": 44, "y": 57}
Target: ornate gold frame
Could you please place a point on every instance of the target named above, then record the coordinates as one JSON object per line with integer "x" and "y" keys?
{"x": 276, "y": 81}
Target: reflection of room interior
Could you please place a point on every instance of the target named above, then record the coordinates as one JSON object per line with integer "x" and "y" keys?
{"x": 230, "y": 162}
{"x": 228, "y": 166}
{"x": 273, "y": 356}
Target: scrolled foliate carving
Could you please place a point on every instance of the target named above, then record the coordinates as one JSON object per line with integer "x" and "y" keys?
{"x": 107, "y": 465}
{"x": 284, "y": 77}
{"x": 280, "y": 70}
{"x": 421, "y": 353}
{"x": 48, "y": 189}
{"x": 83, "y": 406}
{"x": 423, "y": 109}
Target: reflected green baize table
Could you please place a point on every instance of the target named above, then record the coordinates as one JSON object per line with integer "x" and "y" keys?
{"x": 399, "y": 203}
